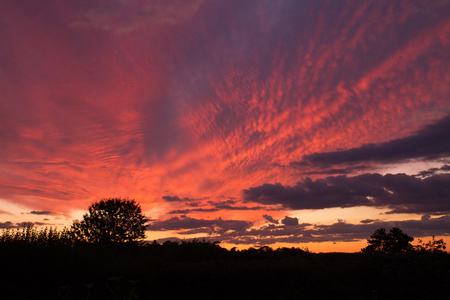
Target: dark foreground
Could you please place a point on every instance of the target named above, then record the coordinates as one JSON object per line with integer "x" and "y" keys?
{"x": 202, "y": 270}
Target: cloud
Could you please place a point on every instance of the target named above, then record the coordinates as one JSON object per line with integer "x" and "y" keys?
{"x": 432, "y": 171}
{"x": 290, "y": 221}
{"x": 123, "y": 17}
{"x": 187, "y": 225}
{"x": 12, "y": 225}
{"x": 346, "y": 170}
{"x": 222, "y": 206}
{"x": 187, "y": 211}
{"x": 184, "y": 200}
{"x": 400, "y": 192}
{"x": 214, "y": 206}
{"x": 336, "y": 232}
{"x": 431, "y": 142}
{"x": 270, "y": 219}
{"x": 367, "y": 221}
{"x": 173, "y": 198}
{"x": 41, "y": 212}
{"x": 7, "y": 225}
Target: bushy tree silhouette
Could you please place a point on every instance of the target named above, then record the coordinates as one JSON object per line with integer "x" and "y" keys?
{"x": 433, "y": 246}
{"x": 109, "y": 221}
{"x": 394, "y": 242}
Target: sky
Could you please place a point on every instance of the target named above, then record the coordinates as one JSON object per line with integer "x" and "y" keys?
{"x": 282, "y": 123}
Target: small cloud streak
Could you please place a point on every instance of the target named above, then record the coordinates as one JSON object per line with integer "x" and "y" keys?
{"x": 42, "y": 212}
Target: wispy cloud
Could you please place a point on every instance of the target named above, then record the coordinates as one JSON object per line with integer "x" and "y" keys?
{"x": 121, "y": 17}
{"x": 41, "y": 212}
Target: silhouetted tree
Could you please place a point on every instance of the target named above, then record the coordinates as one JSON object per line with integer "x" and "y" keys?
{"x": 433, "y": 246}
{"x": 112, "y": 220}
{"x": 394, "y": 242}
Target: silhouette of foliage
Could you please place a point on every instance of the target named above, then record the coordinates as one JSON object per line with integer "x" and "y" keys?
{"x": 111, "y": 221}
{"x": 29, "y": 235}
{"x": 394, "y": 242}
{"x": 52, "y": 266}
{"x": 433, "y": 246}
{"x": 150, "y": 270}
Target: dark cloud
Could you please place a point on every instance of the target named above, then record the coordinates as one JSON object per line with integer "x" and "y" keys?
{"x": 426, "y": 217}
{"x": 288, "y": 221}
{"x": 11, "y": 225}
{"x": 186, "y": 211}
{"x": 188, "y": 201}
{"x": 230, "y": 204}
{"x": 336, "y": 232}
{"x": 172, "y": 198}
{"x": 239, "y": 207}
{"x": 367, "y": 221}
{"x": 24, "y": 224}
{"x": 199, "y": 225}
{"x": 292, "y": 231}
{"x": 7, "y": 225}
{"x": 432, "y": 171}
{"x": 41, "y": 212}
{"x": 270, "y": 219}
{"x": 431, "y": 142}
{"x": 400, "y": 192}
{"x": 341, "y": 171}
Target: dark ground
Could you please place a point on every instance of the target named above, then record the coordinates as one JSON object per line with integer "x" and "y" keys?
{"x": 203, "y": 270}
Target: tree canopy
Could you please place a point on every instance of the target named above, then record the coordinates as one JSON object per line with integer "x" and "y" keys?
{"x": 394, "y": 242}
{"x": 111, "y": 220}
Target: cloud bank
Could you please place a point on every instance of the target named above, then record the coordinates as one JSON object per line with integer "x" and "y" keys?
{"x": 429, "y": 143}
{"x": 400, "y": 192}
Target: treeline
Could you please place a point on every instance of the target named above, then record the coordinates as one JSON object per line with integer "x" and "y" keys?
{"x": 29, "y": 235}
{"x": 182, "y": 250}
{"x": 49, "y": 264}
{"x": 395, "y": 242}
{"x": 103, "y": 256}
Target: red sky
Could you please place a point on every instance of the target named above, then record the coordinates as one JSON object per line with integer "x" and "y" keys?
{"x": 299, "y": 123}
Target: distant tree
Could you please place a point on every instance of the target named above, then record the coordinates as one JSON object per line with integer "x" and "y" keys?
{"x": 394, "y": 242}
{"x": 378, "y": 242}
{"x": 433, "y": 246}
{"x": 111, "y": 220}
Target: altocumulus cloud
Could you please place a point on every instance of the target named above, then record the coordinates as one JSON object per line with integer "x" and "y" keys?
{"x": 400, "y": 192}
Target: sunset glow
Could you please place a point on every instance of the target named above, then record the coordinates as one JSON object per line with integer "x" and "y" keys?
{"x": 281, "y": 123}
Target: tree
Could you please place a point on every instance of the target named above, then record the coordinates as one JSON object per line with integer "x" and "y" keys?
{"x": 433, "y": 246}
{"x": 111, "y": 220}
{"x": 394, "y": 242}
